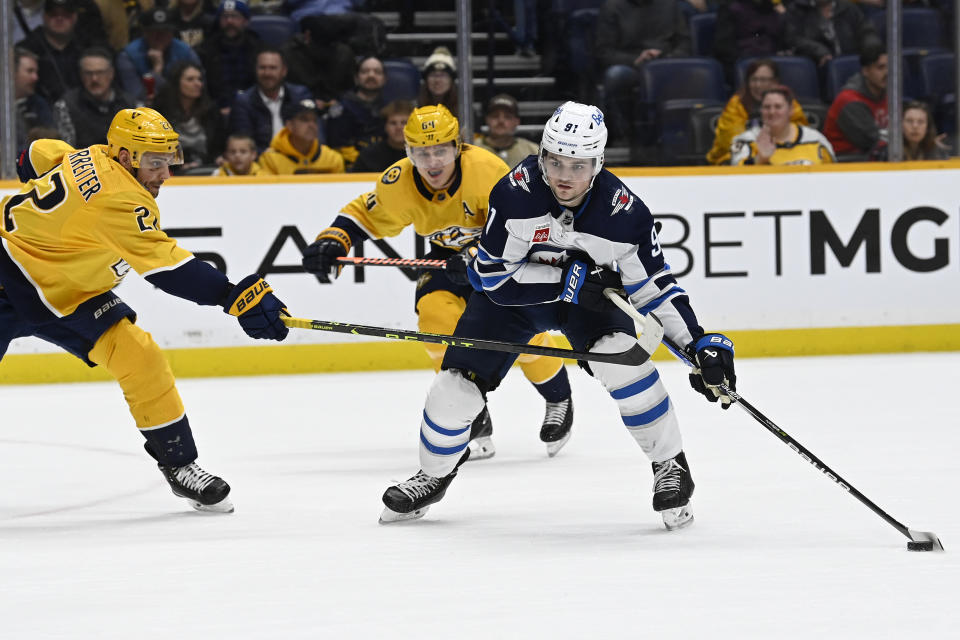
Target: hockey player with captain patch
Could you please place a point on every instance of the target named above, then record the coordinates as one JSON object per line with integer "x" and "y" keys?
{"x": 80, "y": 222}
{"x": 441, "y": 189}
{"x": 562, "y": 231}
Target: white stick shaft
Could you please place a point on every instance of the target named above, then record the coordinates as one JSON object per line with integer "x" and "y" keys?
{"x": 649, "y": 329}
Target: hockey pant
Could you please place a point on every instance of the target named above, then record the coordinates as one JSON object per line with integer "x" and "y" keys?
{"x": 131, "y": 356}
{"x": 438, "y": 312}
{"x": 645, "y": 408}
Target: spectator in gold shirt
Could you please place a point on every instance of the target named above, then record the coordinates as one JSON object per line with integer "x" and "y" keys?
{"x": 297, "y": 148}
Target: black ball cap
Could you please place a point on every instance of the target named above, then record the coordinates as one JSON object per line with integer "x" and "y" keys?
{"x": 51, "y": 5}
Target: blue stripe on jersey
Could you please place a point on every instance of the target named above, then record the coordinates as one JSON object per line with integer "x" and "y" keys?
{"x": 649, "y": 416}
{"x": 441, "y": 451}
{"x": 488, "y": 282}
{"x": 445, "y": 432}
{"x": 633, "y": 288}
{"x": 637, "y": 387}
{"x": 656, "y": 302}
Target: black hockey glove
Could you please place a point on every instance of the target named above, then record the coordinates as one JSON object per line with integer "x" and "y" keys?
{"x": 713, "y": 357}
{"x": 252, "y": 301}
{"x": 584, "y": 282}
{"x": 320, "y": 258}
{"x": 458, "y": 264}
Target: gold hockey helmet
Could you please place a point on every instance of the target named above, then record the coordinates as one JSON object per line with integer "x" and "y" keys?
{"x": 142, "y": 130}
{"x": 430, "y": 125}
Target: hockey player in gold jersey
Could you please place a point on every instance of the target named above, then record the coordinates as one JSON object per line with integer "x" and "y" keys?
{"x": 442, "y": 189}
{"x": 82, "y": 219}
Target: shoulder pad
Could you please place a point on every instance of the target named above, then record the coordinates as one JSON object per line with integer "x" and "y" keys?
{"x": 616, "y": 195}
{"x": 41, "y": 156}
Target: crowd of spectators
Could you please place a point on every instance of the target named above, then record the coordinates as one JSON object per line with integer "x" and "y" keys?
{"x": 316, "y": 103}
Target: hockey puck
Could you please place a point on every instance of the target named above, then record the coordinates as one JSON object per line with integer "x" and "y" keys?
{"x": 923, "y": 545}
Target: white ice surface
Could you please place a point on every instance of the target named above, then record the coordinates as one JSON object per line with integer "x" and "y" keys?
{"x": 93, "y": 545}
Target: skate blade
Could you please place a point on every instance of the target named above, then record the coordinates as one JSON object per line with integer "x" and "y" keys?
{"x": 224, "y": 506}
{"x": 389, "y": 516}
{"x": 678, "y": 518}
{"x": 553, "y": 448}
{"x": 481, "y": 448}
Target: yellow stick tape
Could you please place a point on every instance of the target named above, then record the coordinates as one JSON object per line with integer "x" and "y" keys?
{"x": 387, "y": 355}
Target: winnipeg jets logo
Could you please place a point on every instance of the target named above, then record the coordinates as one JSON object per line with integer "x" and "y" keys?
{"x": 520, "y": 178}
{"x": 549, "y": 257}
{"x": 622, "y": 199}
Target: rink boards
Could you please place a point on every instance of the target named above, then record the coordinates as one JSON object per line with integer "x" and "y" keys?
{"x": 851, "y": 259}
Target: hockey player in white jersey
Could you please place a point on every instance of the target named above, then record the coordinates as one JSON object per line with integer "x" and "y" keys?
{"x": 560, "y": 231}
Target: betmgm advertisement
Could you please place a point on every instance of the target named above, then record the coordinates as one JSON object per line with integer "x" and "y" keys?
{"x": 788, "y": 262}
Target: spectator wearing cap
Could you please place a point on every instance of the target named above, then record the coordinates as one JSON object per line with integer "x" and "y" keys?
{"x": 354, "y": 121}
{"x": 58, "y": 43}
{"x": 144, "y": 62}
{"x": 439, "y": 81}
{"x": 229, "y": 55}
{"x": 320, "y": 60}
{"x": 380, "y": 155}
{"x": 32, "y": 109}
{"x": 502, "y": 119}
{"x": 83, "y": 114}
{"x": 256, "y": 111}
{"x": 297, "y": 148}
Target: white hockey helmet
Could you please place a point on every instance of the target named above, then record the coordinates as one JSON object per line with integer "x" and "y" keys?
{"x": 575, "y": 130}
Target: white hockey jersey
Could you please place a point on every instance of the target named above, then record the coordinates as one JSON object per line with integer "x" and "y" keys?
{"x": 529, "y": 237}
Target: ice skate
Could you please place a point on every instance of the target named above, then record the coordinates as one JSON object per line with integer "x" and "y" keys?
{"x": 557, "y": 423}
{"x": 672, "y": 488}
{"x": 481, "y": 443}
{"x": 411, "y": 499}
{"x": 204, "y": 491}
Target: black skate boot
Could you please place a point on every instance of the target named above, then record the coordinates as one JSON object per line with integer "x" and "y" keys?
{"x": 204, "y": 491}
{"x": 481, "y": 444}
{"x": 556, "y": 425}
{"x": 672, "y": 488}
{"x": 412, "y": 498}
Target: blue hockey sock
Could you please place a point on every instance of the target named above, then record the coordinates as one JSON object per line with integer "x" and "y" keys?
{"x": 556, "y": 388}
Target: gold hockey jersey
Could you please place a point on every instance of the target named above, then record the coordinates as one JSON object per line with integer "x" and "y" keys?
{"x": 449, "y": 218}
{"x": 808, "y": 147}
{"x": 76, "y": 230}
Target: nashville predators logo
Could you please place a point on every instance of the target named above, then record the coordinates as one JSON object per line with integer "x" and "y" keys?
{"x": 454, "y": 237}
{"x": 519, "y": 177}
{"x": 622, "y": 199}
{"x": 391, "y": 176}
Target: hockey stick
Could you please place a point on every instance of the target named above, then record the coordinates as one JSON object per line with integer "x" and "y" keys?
{"x": 419, "y": 263}
{"x": 632, "y": 356}
{"x": 919, "y": 540}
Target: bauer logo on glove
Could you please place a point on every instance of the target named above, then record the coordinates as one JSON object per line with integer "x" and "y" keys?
{"x": 713, "y": 357}
{"x": 249, "y": 298}
{"x": 256, "y": 308}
